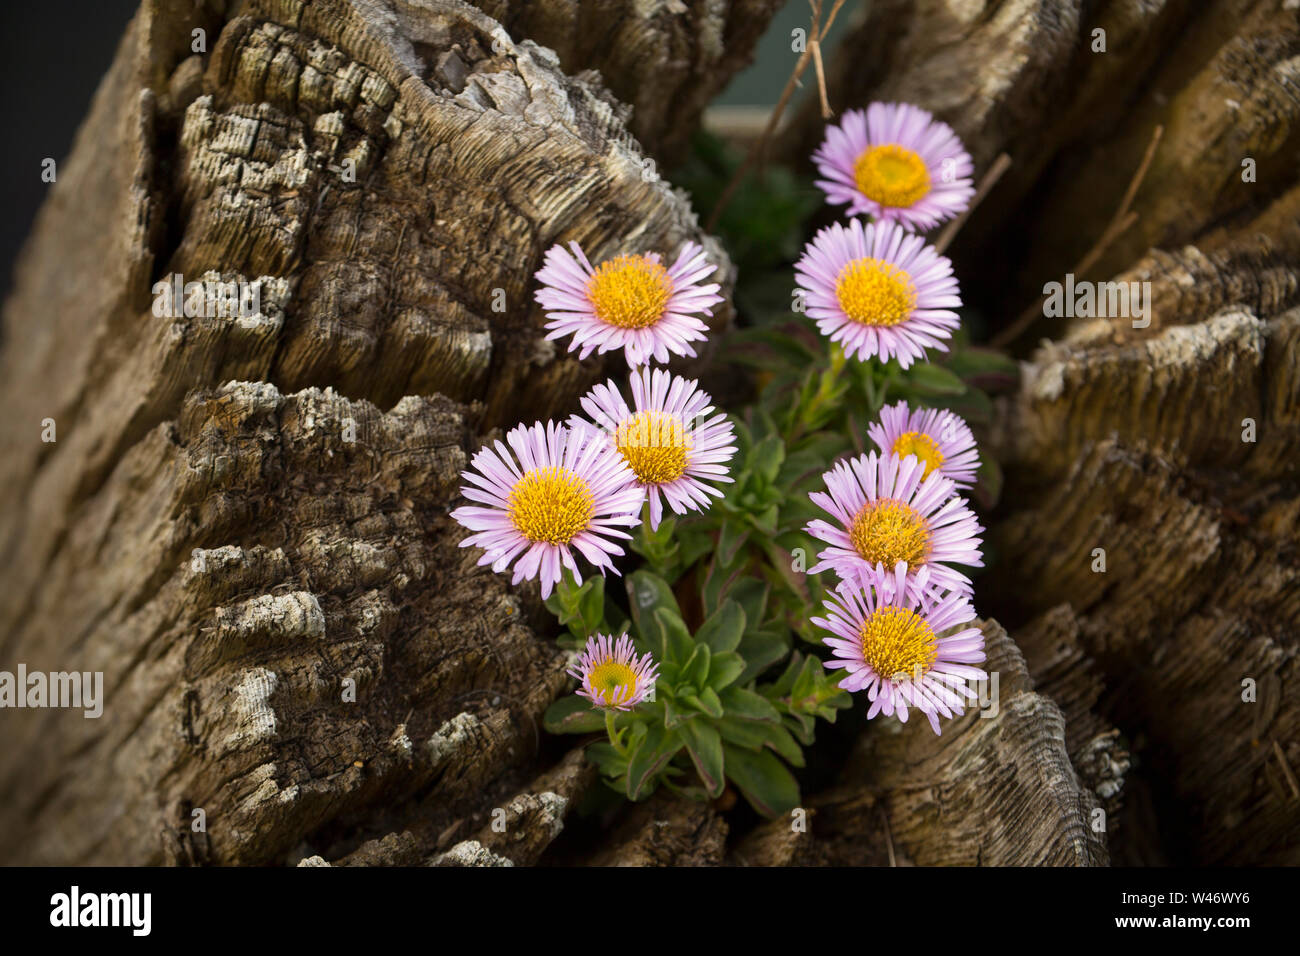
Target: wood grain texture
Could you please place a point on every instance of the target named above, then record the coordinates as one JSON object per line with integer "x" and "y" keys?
{"x": 244, "y": 516}
{"x": 667, "y": 59}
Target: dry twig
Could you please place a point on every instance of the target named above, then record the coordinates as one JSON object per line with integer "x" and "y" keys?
{"x": 1118, "y": 224}
{"x": 760, "y": 145}
{"x": 1000, "y": 166}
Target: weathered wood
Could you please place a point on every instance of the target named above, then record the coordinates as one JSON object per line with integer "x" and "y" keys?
{"x": 666, "y": 59}
{"x": 225, "y": 540}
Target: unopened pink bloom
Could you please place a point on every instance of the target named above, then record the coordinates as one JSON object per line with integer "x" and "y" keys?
{"x": 611, "y": 674}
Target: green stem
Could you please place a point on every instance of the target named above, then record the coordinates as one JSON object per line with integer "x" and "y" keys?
{"x": 825, "y": 390}
{"x": 615, "y": 736}
{"x": 884, "y": 387}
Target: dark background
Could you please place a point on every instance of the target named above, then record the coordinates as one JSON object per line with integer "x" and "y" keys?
{"x": 52, "y": 55}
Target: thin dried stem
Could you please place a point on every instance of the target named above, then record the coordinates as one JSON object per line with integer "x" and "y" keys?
{"x": 827, "y": 112}
{"x": 889, "y": 836}
{"x": 949, "y": 233}
{"x": 760, "y": 145}
{"x": 1286, "y": 769}
{"x": 1118, "y": 225}
{"x": 820, "y": 69}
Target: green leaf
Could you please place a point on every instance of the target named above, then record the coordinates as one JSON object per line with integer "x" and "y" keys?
{"x": 751, "y": 594}
{"x": 657, "y": 748}
{"x": 743, "y": 704}
{"x": 989, "y": 477}
{"x": 672, "y": 714}
{"x": 705, "y": 748}
{"x": 609, "y": 761}
{"x": 572, "y": 714}
{"x": 983, "y": 366}
{"x": 696, "y": 669}
{"x": 731, "y": 538}
{"x": 804, "y": 691}
{"x": 724, "y": 668}
{"x": 693, "y": 544}
{"x": 763, "y": 779}
{"x": 567, "y": 600}
{"x": 708, "y": 701}
{"x": 659, "y": 547}
{"x": 750, "y": 734}
{"x": 591, "y": 606}
{"x": 765, "y": 518}
{"x": 767, "y": 348}
{"x": 679, "y": 646}
{"x": 716, "y": 580}
{"x": 767, "y": 458}
{"x": 785, "y": 746}
{"x": 785, "y": 683}
{"x": 803, "y": 726}
{"x": 760, "y": 650}
{"x": 646, "y": 592}
{"x": 723, "y": 629}
{"x": 929, "y": 378}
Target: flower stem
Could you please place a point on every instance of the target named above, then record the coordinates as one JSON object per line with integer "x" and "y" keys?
{"x": 825, "y": 390}
{"x": 615, "y": 736}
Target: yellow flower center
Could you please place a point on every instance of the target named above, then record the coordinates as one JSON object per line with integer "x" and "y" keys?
{"x": 655, "y": 446}
{"x": 875, "y": 292}
{"x": 551, "y": 504}
{"x": 630, "y": 292}
{"x": 898, "y": 643}
{"x": 892, "y": 175}
{"x": 888, "y": 531}
{"x": 617, "y": 680}
{"x": 922, "y": 446}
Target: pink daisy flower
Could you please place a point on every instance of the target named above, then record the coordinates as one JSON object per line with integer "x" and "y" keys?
{"x": 888, "y": 641}
{"x": 630, "y": 302}
{"x": 938, "y": 437}
{"x": 878, "y": 290}
{"x": 667, "y": 438}
{"x": 564, "y": 493}
{"x": 896, "y": 161}
{"x": 885, "y": 513}
{"x": 611, "y": 674}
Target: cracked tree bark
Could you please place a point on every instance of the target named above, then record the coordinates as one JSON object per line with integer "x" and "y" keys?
{"x": 243, "y": 523}
{"x": 666, "y": 59}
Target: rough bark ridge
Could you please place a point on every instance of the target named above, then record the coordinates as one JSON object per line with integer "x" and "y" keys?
{"x": 666, "y": 58}
{"x": 234, "y": 546}
{"x": 1194, "y": 621}
{"x": 1173, "y": 446}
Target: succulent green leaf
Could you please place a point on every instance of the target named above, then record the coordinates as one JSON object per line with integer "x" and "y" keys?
{"x": 763, "y": 779}
{"x": 704, "y": 745}
{"x": 572, "y": 714}
{"x": 724, "y": 668}
{"x": 655, "y": 749}
{"x": 723, "y": 629}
